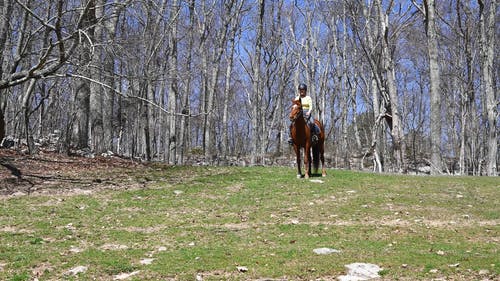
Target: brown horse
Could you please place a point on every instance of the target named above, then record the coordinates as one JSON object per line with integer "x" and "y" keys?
{"x": 301, "y": 136}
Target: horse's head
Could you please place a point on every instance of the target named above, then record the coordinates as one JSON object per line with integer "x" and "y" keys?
{"x": 296, "y": 110}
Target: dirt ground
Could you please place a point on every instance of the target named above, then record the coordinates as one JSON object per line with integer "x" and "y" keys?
{"x": 49, "y": 172}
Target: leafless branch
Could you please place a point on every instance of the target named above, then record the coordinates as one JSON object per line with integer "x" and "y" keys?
{"x": 129, "y": 96}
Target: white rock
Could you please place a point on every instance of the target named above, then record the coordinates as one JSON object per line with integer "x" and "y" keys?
{"x": 242, "y": 268}
{"x": 107, "y": 154}
{"x": 123, "y": 276}
{"x": 74, "y": 249}
{"x": 70, "y": 226}
{"x": 147, "y": 261}
{"x": 360, "y": 271}
{"x": 76, "y": 270}
{"x": 18, "y": 193}
{"x": 325, "y": 251}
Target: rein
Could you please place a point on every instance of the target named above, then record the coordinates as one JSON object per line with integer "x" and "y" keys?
{"x": 301, "y": 113}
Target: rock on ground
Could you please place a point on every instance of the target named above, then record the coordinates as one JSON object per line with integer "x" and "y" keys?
{"x": 360, "y": 271}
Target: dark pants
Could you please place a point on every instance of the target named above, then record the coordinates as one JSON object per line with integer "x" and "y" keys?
{"x": 312, "y": 125}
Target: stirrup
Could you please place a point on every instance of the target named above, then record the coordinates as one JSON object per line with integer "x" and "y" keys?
{"x": 290, "y": 141}
{"x": 315, "y": 139}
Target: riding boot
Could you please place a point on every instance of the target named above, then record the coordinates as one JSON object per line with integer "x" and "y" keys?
{"x": 315, "y": 133}
{"x": 314, "y": 138}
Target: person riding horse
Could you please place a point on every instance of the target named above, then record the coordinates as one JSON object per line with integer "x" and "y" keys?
{"x": 307, "y": 109}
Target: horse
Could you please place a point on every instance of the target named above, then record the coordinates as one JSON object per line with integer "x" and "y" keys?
{"x": 301, "y": 136}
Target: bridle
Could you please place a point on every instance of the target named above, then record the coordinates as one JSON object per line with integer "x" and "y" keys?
{"x": 299, "y": 114}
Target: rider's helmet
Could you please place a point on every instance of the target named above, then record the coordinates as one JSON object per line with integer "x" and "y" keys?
{"x": 302, "y": 86}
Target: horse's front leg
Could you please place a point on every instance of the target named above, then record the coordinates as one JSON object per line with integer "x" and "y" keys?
{"x": 297, "y": 153}
{"x": 307, "y": 160}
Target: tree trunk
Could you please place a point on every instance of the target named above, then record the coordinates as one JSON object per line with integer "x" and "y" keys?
{"x": 173, "y": 90}
{"x": 108, "y": 104}
{"x": 5, "y": 15}
{"x": 344, "y": 98}
{"x": 204, "y": 53}
{"x": 487, "y": 51}
{"x": 256, "y": 88}
{"x": 185, "y": 121}
{"x": 96, "y": 132}
{"x": 2, "y": 123}
{"x": 227, "y": 92}
{"x": 395, "y": 121}
{"x": 27, "y": 112}
{"x": 216, "y": 57}
{"x": 377, "y": 94}
{"x": 435, "y": 91}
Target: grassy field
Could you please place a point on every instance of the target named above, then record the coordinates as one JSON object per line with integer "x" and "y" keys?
{"x": 183, "y": 223}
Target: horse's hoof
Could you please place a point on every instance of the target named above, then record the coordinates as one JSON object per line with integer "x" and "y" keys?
{"x": 306, "y": 176}
{"x": 299, "y": 176}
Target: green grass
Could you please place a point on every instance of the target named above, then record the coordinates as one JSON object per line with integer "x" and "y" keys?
{"x": 209, "y": 220}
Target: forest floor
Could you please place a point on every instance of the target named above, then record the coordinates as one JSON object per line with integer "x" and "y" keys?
{"x": 54, "y": 173}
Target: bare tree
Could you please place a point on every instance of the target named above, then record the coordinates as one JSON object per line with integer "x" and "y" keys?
{"x": 5, "y": 16}
{"x": 389, "y": 88}
{"x": 173, "y": 88}
{"x": 487, "y": 50}
{"x": 184, "y": 142}
{"x": 376, "y": 131}
{"x": 256, "y": 96}
{"x": 435, "y": 81}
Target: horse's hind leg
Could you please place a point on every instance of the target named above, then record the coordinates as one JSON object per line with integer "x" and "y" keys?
{"x": 322, "y": 158}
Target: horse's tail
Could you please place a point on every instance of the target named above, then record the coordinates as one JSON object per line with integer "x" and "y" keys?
{"x": 317, "y": 149}
{"x": 315, "y": 157}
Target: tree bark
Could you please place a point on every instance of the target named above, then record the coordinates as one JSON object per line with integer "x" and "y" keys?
{"x": 173, "y": 89}
{"x": 30, "y": 87}
{"x": 395, "y": 121}
{"x": 5, "y": 15}
{"x": 185, "y": 121}
{"x": 95, "y": 127}
{"x": 435, "y": 91}
{"x": 256, "y": 88}
{"x": 487, "y": 50}
{"x": 227, "y": 83}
